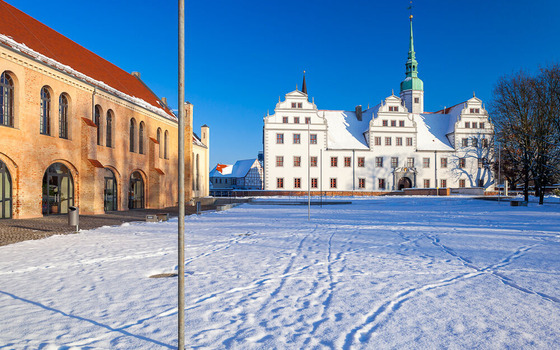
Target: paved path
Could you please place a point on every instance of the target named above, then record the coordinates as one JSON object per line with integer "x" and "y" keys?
{"x": 13, "y": 231}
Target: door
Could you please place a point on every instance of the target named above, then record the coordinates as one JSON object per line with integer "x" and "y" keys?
{"x": 58, "y": 190}
{"x": 136, "y": 191}
{"x": 5, "y": 192}
{"x": 110, "y": 191}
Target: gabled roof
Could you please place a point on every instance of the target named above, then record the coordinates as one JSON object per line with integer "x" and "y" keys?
{"x": 34, "y": 39}
{"x": 239, "y": 169}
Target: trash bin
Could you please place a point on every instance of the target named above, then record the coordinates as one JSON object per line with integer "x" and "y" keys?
{"x": 73, "y": 217}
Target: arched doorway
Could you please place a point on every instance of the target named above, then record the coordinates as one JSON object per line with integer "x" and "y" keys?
{"x": 404, "y": 182}
{"x": 110, "y": 191}
{"x": 136, "y": 191}
{"x": 58, "y": 190}
{"x": 5, "y": 192}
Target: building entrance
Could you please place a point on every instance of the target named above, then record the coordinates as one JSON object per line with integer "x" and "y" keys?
{"x": 136, "y": 191}
{"x": 58, "y": 190}
{"x": 404, "y": 183}
{"x": 110, "y": 191}
{"x": 5, "y": 192}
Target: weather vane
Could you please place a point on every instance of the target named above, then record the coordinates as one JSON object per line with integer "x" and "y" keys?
{"x": 410, "y": 8}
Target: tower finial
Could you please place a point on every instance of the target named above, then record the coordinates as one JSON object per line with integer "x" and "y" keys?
{"x": 304, "y": 86}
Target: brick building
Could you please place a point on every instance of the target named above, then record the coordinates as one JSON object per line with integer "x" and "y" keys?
{"x": 77, "y": 130}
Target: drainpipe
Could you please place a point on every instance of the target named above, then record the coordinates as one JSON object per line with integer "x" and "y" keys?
{"x": 353, "y": 171}
{"x": 435, "y": 172}
{"x": 93, "y": 105}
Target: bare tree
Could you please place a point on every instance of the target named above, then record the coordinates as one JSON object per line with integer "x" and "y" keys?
{"x": 512, "y": 109}
{"x": 526, "y": 114}
{"x": 546, "y": 131}
{"x": 474, "y": 162}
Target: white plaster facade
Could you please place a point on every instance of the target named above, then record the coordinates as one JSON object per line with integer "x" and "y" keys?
{"x": 391, "y": 146}
{"x": 358, "y": 154}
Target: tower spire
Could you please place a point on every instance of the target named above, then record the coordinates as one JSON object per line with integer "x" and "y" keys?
{"x": 412, "y": 87}
{"x": 303, "y": 85}
{"x": 411, "y": 63}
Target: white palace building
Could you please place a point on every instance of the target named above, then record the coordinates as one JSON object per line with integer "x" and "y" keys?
{"x": 392, "y": 146}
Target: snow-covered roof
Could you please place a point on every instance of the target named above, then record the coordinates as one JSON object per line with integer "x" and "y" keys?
{"x": 345, "y": 131}
{"x": 431, "y": 132}
{"x": 239, "y": 169}
{"x": 32, "y": 38}
{"x": 453, "y": 114}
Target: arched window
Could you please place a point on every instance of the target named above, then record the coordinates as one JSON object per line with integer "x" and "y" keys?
{"x": 197, "y": 173}
{"x": 159, "y": 141}
{"x": 132, "y": 132}
{"x": 63, "y": 116}
{"x": 6, "y": 100}
{"x": 45, "y": 111}
{"x": 109, "y": 129}
{"x": 166, "y": 145}
{"x": 97, "y": 121}
{"x": 194, "y": 175}
{"x": 141, "y": 138}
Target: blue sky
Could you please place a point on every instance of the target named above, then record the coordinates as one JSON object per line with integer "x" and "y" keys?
{"x": 242, "y": 55}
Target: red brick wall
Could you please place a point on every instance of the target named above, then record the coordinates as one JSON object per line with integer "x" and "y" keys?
{"x": 28, "y": 154}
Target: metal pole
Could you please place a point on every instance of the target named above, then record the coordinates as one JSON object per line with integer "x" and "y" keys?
{"x": 309, "y": 171}
{"x": 353, "y": 171}
{"x": 321, "y": 177}
{"x": 181, "y": 180}
{"x": 499, "y": 170}
{"x": 435, "y": 173}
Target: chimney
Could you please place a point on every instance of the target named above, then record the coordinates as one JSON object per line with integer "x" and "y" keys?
{"x": 164, "y": 100}
{"x": 359, "y": 112}
{"x": 136, "y": 74}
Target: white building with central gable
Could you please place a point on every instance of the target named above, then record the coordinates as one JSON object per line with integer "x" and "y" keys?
{"x": 392, "y": 146}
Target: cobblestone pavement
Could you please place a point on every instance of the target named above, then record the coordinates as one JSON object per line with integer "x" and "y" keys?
{"x": 13, "y": 231}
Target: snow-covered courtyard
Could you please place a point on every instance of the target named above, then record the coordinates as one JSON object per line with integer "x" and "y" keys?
{"x": 381, "y": 273}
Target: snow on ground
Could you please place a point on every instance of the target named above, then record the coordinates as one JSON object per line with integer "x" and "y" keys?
{"x": 399, "y": 272}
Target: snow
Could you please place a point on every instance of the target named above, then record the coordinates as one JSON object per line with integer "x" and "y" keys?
{"x": 345, "y": 131}
{"x": 380, "y": 273}
{"x": 432, "y": 130}
{"x": 69, "y": 70}
{"x": 239, "y": 169}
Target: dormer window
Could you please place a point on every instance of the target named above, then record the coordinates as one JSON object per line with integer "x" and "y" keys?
{"x": 393, "y": 108}
{"x": 475, "y": 110}
{"x": 294, "y": 105}
{"x": 299, "y": 105}
{"x": 296, "y": 120}
{"x": 285, "y": 120}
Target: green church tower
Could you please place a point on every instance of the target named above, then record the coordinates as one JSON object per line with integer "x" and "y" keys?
{"x": 412, "y": 87}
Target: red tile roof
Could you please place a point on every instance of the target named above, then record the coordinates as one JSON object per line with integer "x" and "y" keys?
{"x": 26, "y": 30}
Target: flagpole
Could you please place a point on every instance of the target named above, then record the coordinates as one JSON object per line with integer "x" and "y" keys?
{"x": 309, "y": 170}
{"x": 181, "y": 182}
